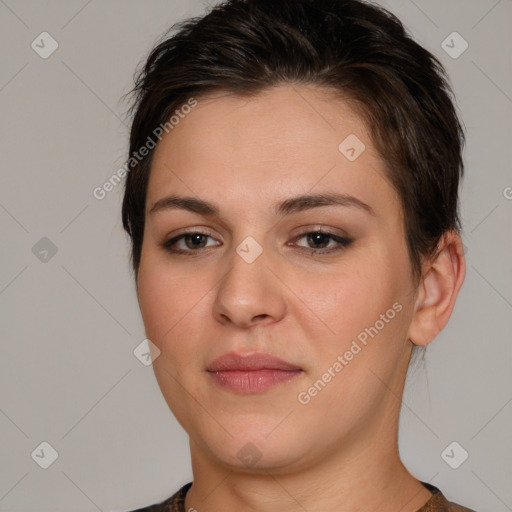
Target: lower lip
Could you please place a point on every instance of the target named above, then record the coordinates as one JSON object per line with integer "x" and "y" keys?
{"x": 255, "y": 381}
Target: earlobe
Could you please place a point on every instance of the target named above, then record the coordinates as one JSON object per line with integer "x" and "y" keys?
{"x": 438, "y": 290}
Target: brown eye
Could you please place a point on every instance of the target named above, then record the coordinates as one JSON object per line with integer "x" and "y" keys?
{"x": 187, "y": 242}
{"x": 320, "y": 240}
{"x": 195, "y": 241}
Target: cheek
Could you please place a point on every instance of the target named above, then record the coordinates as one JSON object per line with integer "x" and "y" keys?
{"x": 352, "y": 366}
{"x": 173, "y": 305}
{"x": 362, "y": 310}
{"x": 153, "y": 296}
{"x": 161, "y": 297}
{"x": 352, "y": 294}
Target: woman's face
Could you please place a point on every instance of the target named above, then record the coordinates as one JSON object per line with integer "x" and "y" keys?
{"x": 252, "y": 278}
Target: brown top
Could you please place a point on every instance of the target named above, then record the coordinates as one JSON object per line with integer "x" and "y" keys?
{"x": 436, "y": 503}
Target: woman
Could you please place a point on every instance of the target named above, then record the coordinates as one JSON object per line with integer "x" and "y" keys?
{"x": 292, "y": 205}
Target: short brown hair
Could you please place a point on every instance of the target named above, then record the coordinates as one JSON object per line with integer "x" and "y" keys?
{"x": 351, "y": 47}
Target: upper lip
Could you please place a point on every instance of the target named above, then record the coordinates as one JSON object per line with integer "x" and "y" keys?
{"x": 249, "y": 362}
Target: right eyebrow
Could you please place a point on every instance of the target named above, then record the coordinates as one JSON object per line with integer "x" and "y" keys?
{"x": 185, "y": 203}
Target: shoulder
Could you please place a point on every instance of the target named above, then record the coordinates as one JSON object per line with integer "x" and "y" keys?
{"x": 438, "y": 502}
{"x": 176, "y": 503}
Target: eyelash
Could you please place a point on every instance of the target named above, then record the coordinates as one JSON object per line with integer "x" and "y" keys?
{"x": 342, "y": 241}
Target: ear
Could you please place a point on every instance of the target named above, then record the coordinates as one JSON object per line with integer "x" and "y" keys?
{"x": 437, "y": 292}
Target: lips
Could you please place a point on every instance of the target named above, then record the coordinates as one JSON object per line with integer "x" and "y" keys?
{"x": 251, "y": 373}
{"x": 249, "y": 362}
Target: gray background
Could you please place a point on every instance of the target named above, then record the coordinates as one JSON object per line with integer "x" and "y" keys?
{"x": 70, "y": 323}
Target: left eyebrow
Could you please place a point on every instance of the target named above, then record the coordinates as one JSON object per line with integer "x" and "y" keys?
{"x": 307, "y": 201}
{"x": 287, "y": 207}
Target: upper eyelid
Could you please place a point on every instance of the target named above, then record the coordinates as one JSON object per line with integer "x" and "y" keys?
{"x": 191, "y": 231}
{"x": 305, "y": 230}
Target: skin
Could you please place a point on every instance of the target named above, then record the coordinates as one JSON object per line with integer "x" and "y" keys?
{"x": 339, "y": 451}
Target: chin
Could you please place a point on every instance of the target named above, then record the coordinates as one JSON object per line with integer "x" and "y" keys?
{"x": 254, "y": 446}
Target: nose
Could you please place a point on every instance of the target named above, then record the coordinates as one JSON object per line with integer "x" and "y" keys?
{"x": 249, "y": 293}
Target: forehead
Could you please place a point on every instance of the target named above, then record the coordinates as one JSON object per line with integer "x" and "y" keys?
{"x": 283, "y": 141}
